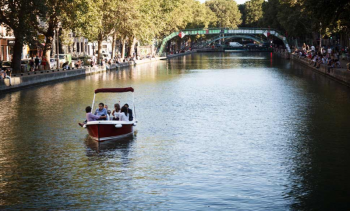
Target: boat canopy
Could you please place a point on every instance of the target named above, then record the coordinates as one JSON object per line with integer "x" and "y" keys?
{"x": 112, "y": 90}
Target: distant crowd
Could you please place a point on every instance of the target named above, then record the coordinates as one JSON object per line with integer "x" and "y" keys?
{"x": 327, "y": 56}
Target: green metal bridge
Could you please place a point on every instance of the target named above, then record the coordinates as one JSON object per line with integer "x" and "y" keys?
{"x": 227, "y": 33}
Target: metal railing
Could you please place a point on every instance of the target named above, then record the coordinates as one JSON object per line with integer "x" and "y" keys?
{"x": 241, "y": 30}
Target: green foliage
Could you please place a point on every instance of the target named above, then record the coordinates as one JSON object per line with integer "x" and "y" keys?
{"x": 201, "y": 16}
{"x": 270, "y": 11}
{"x": 226, "y": 11}
{"x": 253, "y": 12}
{"x": 242, "y": 10}
{"x": 18, "y": 15}
{"x": 302, "y": 18}
{"x": 294, "y": 18}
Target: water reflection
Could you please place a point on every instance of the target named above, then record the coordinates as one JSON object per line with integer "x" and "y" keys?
{"x": 216, "y": 132}
{"x": 94, "y": 148}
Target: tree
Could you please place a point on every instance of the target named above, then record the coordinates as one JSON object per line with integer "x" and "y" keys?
{"x": 270, "y": 11}
{"x": 253, "y": 11}
{"x": 50, "y": 15}
{"x": 226, "y": 11}
{"x": 242, "y": 9}
{"x": 17, "y": 15}
{"x": 294, "y": 18}
{"x": 201, "y": 15}
{"x": 97, "y": 21}
{"x": 326, "y": 12}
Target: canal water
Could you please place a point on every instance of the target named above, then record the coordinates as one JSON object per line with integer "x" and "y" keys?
{"x": 234, "y": 131}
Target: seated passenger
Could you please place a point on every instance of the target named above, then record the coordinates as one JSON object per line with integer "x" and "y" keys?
{"x": 108, "y": 113}
{"x": 101, "y": 111}
{"x": 89, "y": 116}
{"x": 116, "y": 111}
{"x": 129, "y": 112}
{"x": 122, "y": 115}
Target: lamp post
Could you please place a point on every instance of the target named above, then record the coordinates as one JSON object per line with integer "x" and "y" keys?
{"x": 58, "y": 48}
{"x": 320, "y": 37}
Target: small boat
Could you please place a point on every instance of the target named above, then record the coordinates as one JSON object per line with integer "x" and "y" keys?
{"x": 103, "y": 130}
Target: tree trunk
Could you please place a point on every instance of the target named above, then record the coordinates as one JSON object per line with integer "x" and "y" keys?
{"x": 113, "y": 44}
{"x": 99, "y": 56}
{"x": 132, "y": 46}
{"x": 17, "y": 52}
{"x": 178, "y": 45}
{"x": 123, "y": 48}
{"x": 48, "y": 49}
{"x": 99, "y": 47}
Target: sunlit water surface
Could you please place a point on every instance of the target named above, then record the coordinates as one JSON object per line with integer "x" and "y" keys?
{"x": 216, "y": 132}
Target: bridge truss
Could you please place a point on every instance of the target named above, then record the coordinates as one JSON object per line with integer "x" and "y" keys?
{"x": 240, "y": 32}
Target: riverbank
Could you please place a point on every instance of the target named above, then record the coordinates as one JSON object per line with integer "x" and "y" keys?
{"x": 133, "y": 63}
{"x": 181, "y": 54}
{"x": 37, "y": 77}
{"x": 33, "y": 78}
{"x": 341, "y": 75}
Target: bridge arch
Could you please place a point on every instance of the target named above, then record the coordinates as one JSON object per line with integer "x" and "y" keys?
{"x": 226, "y": 32}
{"x": 251, "y": 37}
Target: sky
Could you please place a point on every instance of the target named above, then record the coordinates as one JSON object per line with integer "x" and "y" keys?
{"x": 238, "y": 1}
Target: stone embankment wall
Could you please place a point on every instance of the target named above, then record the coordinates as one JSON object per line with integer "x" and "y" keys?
{"x": 37, "y": 77}
{"x": 180, "y": 54}
{"x": 133, "y": 63}
{"x": 340, "y": 74}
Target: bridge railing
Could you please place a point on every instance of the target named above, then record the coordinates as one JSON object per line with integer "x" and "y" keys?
{"x": 223, "y": 28}
{"x": 241, "y": 30}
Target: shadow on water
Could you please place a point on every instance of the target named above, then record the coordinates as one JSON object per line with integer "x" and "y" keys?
{"x": 94, "y": 148}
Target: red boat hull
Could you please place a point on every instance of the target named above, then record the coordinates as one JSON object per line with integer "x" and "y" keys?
{"x": 102, "y": 131}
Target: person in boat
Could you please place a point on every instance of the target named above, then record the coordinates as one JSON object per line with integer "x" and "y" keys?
{"x": 116, "y": 111}
{"x": 101, "y": 111}
{"x": 129, "y": 112}
{"x": 108, "y": 112}
{"x": 123, "y": 114}
{"x": 89, "y": 116}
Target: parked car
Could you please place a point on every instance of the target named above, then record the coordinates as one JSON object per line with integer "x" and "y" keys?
{"x": 251, "y": 45}
{"x": 235, "y": 44}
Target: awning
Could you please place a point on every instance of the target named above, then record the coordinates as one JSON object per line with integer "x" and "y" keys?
{"x": 112, "y": 90}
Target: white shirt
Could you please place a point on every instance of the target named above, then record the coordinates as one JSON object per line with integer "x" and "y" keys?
{"x": 123, "y": 117}
{"x": 116, "y": 114}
